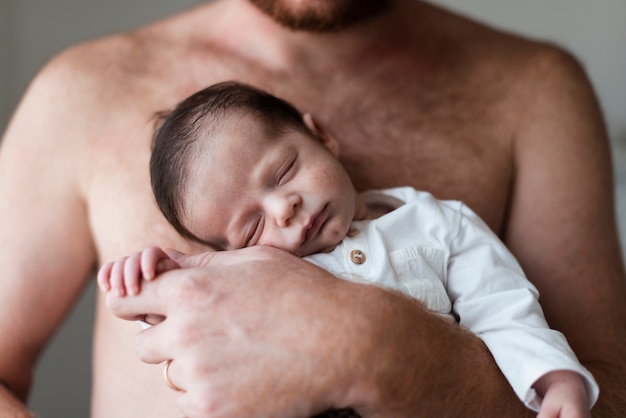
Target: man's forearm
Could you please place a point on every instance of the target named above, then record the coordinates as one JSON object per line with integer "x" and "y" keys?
{"x": 428, "y": 367}
{"x": 378, "y": 352}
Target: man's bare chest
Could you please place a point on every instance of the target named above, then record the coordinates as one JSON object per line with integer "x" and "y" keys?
{"x": 391, "y": 134}
{"x": 437, "y": 139}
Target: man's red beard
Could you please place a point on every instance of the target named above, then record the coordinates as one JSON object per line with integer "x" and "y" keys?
{"x": 321, "y": 15}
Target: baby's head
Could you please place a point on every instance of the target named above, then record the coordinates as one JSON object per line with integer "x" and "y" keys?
{"x": 233, "y": 166}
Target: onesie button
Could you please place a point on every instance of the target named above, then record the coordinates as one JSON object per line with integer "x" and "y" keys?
{"x": 357, "y": 256}
{"x": 352, "y": 232}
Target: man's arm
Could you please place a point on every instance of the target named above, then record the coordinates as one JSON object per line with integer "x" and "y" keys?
{"x": 345, "y": 344}
{"x": 562, "y": 224}
{"x": 46, "y": 254}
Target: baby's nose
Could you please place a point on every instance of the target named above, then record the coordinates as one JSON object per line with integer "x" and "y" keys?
{"x": 283, "y": 208}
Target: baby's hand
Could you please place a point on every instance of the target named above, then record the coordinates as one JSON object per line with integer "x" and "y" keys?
{"x": 565, "y": 396}
{"x": 124, "y": 276}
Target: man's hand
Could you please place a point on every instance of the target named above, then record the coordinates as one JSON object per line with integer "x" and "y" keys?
{"x": 258, "y": 332}
{"x": 255, "y": 332}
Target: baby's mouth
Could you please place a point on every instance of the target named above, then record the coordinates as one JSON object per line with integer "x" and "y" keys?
{"x": 315, "y": 225}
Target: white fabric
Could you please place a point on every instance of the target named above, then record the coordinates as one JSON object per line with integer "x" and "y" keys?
{"x": 441, "y": 253}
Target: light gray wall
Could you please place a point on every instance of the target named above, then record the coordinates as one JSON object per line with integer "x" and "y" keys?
{"x": 6, "y": 52}
{"x": 31, "y": 31}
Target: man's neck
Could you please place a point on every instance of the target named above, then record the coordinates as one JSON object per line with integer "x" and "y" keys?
{"x": 249, "y": 33}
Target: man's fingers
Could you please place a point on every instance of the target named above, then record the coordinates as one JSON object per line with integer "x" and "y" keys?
{"x": 153, "y": 319}
{"x": 196, "y": 260}
{"x": 174, "y": 254}
{"x": 166, "y": 264}
{"x": 151, "y": 346}
{"x": 152, "y": 300}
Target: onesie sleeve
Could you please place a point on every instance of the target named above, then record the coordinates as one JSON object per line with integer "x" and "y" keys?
{"x": 492, "y": 297}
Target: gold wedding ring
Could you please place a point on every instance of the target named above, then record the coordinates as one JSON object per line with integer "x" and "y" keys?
{"x": 167, "y": 379}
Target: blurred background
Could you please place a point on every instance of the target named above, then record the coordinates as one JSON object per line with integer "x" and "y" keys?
{"x": 32, "y": 31}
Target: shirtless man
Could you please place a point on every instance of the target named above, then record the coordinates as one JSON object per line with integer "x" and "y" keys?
{"x": 419, "y": 97}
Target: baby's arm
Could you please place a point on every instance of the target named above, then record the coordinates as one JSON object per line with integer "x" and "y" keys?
{"x": 124, "y": 275}
{"x": 501, "y": 306}
{"x": 564, "y": 395}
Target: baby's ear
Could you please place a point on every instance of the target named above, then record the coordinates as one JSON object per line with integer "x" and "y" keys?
{"x": 324, "y": 137}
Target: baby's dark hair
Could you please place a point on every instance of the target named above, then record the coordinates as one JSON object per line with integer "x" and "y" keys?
{"x": 180, "y": 133}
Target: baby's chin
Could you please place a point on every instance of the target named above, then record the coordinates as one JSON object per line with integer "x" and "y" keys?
{"x": 338, "y": 234}
{"x": 321, "y": 249}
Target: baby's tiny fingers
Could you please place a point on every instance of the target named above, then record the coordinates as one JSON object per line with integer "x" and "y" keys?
{"x": 149, "y": 260}
{"x": 132, "y": 273}
{"x": 103, "y": 277}
{"x": 116, "y": 280}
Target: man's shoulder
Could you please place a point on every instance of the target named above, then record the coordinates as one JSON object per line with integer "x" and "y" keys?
{"x": 486, "y": 44}
{"x": 126, "y": 57}
{"x": 516, "y": 72}
{"x": 521, "y": 60}
{"x": 104, "y": 75}
{"x": 535, "y": 60}
{"x": 496, "y": 60}
{"x": 99, "y": 61}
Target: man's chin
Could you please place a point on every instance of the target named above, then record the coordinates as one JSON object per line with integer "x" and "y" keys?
{"x": 321, "y": 16}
